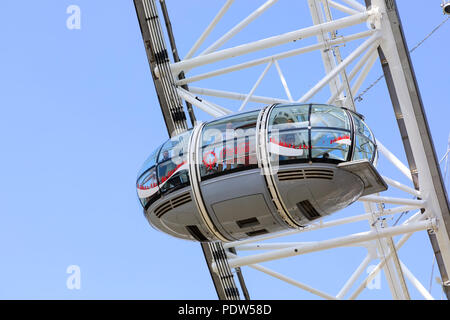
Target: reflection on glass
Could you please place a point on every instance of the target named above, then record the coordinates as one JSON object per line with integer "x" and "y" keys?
{"x": 150, "y": 162}
{"x": 229, "y": 144}
{"x": 330, "y": 144}
{"x": 172, "y": 163}
{"x": 289, "y": 117}
{"x": 288, "y": 145}
{"x": 361, "y": 128}
{"x": 328, "y": 116}
{"x": 364, "y": 148}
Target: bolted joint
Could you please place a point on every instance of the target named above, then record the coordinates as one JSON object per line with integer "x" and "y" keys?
{"x": 374, "y": 19}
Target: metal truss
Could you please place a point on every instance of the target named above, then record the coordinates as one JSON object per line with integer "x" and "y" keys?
{"x": 375, "y": 35}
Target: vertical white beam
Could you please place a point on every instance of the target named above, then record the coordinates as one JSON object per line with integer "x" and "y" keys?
{"x": 416, "y": 126}
{"x": 394, "y": 278}
{"x": 328, "y": 60}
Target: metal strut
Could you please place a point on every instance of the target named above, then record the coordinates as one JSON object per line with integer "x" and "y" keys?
{"x": 420, "y": 153}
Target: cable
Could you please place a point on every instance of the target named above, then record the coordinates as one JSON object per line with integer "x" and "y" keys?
{"x": 359, "y": 97}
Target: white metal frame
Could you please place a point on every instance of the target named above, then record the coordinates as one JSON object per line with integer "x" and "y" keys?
{"x": 378, "y": 239}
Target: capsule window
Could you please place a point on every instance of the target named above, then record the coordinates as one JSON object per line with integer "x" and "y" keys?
{"x": 361, "y": 128}
{"x": 288, "y": 133}
{"x": 228, "y": 145}
{"x": 364, "y": 148}
{"x": 329, "y": 145}
{"x": 150, "y": 162}
{"x": 329, "y": 117}
{"x": 172, "y": 163}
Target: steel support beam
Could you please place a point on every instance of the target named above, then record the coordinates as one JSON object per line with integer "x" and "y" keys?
{"x": 414, "y": 129}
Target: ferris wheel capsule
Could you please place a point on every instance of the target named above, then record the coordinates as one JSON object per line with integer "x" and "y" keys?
{"x": 259, "y": 172}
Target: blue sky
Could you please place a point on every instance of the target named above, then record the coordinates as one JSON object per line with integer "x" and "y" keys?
{"x": 79, "y": 115}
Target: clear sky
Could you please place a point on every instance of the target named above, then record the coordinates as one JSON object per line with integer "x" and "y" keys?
{"x": 79, "y": 115}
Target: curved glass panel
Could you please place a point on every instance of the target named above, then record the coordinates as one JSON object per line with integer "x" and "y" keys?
{"x": 147, "y": 185}
{"x": 286, "y": 117}
{"x": 361, "y": 127}
{"x": 150, "y": 162}
{"x": 228, "y": 145}
{"x": 175, "y": 147}
{"x": 173, "y": 172}
{"x": 329, "y": 116}
{"x": 288, "y": 134}
{"x": 330, "y": 145}
{"x": 364, "y": 148}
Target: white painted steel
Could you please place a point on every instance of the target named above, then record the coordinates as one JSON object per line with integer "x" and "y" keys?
{"x": 289, "y": 280}
{"x": 283, "y": 55}
{"x": 380, "y": 199}
{"x": 332, "y": 243}
{"x": 362, "y": 61}
{"x": 355, "y": 276}
{"x": 250, "y": 94}
{"x": 307, "y": 96}
{"x": 394, "y": 160}
{"x": 271, "y": 42}
{"x": 283, "y": 82}
{"x": 235, "y": 95}
{"x": 208, "y": 29}
{"x": 342, "y": 8}
{"x": 241, "y": 25}
{"x": 401, "y": 186}
{"x": 425, "y": 178}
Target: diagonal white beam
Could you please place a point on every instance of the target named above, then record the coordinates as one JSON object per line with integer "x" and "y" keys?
{"x": 354, "y": 277}
{"x": 252, "y": 91}
{"x": 401, "y": 186}
{"x": 321, "y": 225}
{"x": 356, "y": 69}
{"x": 378, "y": 267}
{"x": 275, "y": 57}
{"x": 208, "y": 29}
{"x": 416, "y": 283}
{"x": 283, "y": 81}
{"x": 355, "y": 4}
{"x": 241, "y": 25}
{"x": 341, "y": 7}
{"x": 394, "y": 160}
{"x": 210, "y": 109}
{"x": 359, "y": 81}
{"x": 288, "y": 280}
{"x": 271, "y": 42}
{"x": 375, "y": 37}
{"x": 331, "y": 243}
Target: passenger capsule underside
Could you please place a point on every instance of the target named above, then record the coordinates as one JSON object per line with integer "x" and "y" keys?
{"x": 259, "y": 172}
